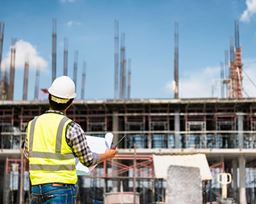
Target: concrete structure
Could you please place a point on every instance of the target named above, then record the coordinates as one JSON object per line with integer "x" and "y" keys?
{"x": 222, "y": 129}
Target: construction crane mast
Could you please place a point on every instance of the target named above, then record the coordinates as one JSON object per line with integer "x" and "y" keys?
{"x": 236, "y": 66}
{"x": 231, "y": 69}
{"x": 54, "y": 49}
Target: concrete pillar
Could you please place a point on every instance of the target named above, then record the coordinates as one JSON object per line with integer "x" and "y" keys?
{"x": 149, "y": 142}
{"x": 203, "y": 143}
{"x": 242, "y": 177}
{"x": 115, "y": 140}
{"x": 234, "y": 178}
{"x": 149, "y": 136}
{"x": 177, "y": 129}
{"x": 240, "y": 128}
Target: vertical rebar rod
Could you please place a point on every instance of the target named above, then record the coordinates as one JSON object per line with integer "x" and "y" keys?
{"x": 65, "y": 58}
{"x": 4, "y": 91}
{"x": 25, "y": 81}
{"x": 176, "y": 60}
{"x": 122, "y": 67}
{"x": 1, "y": 46}
{"x": 237, "y": 37}
{"x": 54, "y": 49}
{"x": 226, "y": 65}
{"x": 37, "y": 81}
{"x": 129, "y": 79}
{"x": 116, "y": 58}
{"x": 83, "y": 80}
{"x": 222, "y": 80}
{"x": 12, "y": 71}
{"x": 75, "y": 67}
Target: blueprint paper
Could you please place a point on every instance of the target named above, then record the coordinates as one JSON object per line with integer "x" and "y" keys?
{"x": 98, "y": 145}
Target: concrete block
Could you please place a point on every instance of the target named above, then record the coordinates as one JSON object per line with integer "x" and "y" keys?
{"x": 184, "y": 185}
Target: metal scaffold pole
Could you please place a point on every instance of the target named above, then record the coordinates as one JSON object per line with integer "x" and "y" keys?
{"x": 134, "y": 175}
{"x": 21, "y": 177}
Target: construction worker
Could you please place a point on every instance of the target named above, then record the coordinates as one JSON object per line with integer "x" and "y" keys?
{"x": 52, "y": 143}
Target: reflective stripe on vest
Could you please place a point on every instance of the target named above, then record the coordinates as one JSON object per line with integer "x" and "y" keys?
{"x": 51, "y": 155}
{"x": 51, "y": 167}
{"x": 57, "y": 155}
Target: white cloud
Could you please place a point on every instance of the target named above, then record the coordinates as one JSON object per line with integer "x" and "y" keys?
{"x": 25, "y": 51}
{"x": 200, "y": 83}
{"x": 249, "y": 12}
{"x": 206, "y": 82}
{"x": 73, "y": 23}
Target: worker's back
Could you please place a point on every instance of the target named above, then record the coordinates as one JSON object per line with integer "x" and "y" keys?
{"x": 50, "y": 157}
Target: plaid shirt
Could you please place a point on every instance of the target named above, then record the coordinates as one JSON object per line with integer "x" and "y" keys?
{"x": 76, "y": 139}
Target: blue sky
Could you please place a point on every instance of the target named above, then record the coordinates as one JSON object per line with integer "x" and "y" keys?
{"x": 205, "y": 29}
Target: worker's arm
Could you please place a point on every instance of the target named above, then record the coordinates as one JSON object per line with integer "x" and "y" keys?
{"x": 76, "y": 139}
{"x": 24, "y": 150}
{"x": 24, "y": 146}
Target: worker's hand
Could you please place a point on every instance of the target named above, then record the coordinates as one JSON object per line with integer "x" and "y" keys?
{"x": 109, "y": 154}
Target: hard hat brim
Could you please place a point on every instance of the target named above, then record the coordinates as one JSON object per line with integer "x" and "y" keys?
{"x": 54, "y": 94}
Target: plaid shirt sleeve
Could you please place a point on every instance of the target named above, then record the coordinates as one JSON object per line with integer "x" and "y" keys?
{"x": 25, "y": 145}
{"x": 77, "y": 141}
{"x": 25, "y": 148}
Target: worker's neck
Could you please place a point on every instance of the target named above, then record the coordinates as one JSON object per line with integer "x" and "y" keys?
{"x": 63, "y": 111}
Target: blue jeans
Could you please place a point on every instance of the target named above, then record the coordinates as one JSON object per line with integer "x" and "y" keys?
{"x": 47, "y": 193}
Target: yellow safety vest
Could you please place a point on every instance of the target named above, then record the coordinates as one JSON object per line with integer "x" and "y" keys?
{"x": 50, "y": 157}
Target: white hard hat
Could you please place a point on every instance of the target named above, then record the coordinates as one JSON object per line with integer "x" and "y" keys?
{"x": 63, "y": 87}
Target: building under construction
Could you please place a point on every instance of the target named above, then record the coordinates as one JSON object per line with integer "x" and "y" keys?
{"x": 222, "y": 129}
